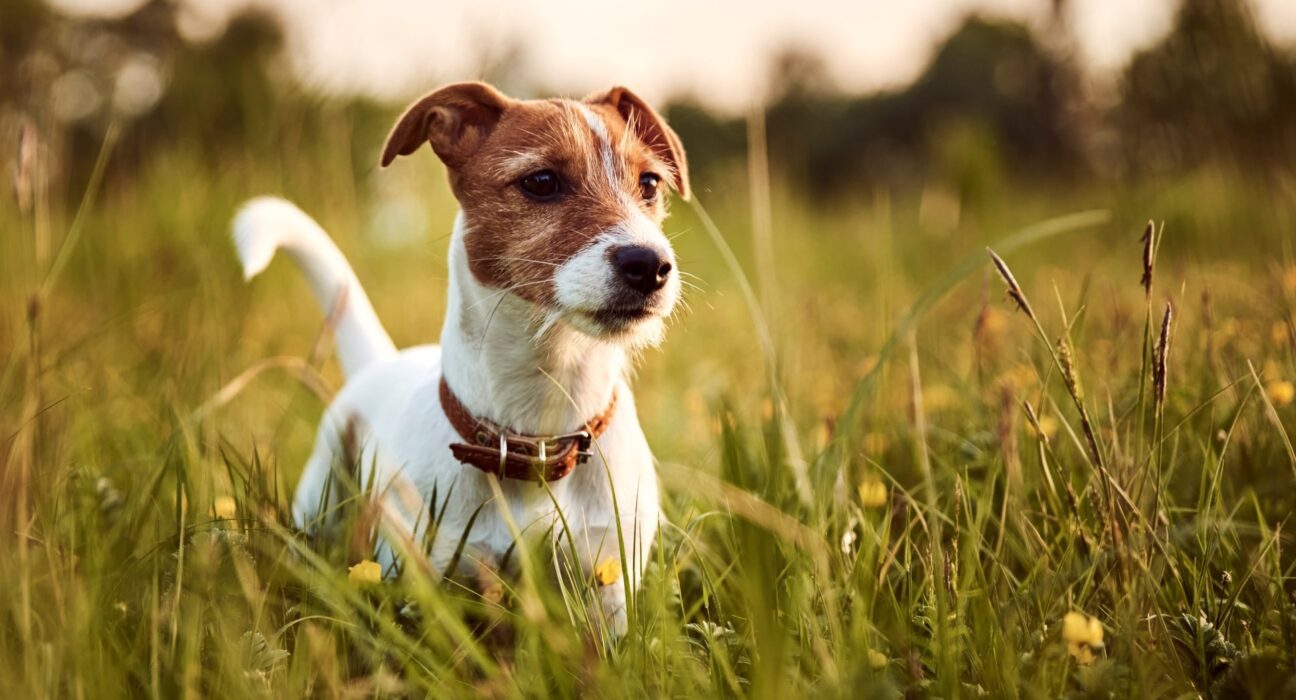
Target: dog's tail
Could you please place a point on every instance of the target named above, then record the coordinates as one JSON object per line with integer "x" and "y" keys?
{"x": 267, "y": 224}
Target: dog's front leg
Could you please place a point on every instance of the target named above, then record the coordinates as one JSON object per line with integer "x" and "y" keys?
{"x": 612, "y": 558}
{"x": 612, "y": 601}
{"x": 589, "y": 556}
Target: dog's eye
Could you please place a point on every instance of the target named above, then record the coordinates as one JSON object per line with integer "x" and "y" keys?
{"x": 648, "y": 184}
{"x": 541, "y": 186}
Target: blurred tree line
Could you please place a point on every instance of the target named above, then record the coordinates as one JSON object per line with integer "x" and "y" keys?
{"x": 996, "y": 102}
{"x": 991, "y": 97}
{"x": 69, "y": 80}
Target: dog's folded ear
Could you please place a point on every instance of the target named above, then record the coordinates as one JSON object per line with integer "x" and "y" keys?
{"x": 455, "y": 120}
{"x": 651, "y": 129}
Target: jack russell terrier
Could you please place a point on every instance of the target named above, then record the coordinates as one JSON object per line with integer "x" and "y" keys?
{"x": 559, "y": 274}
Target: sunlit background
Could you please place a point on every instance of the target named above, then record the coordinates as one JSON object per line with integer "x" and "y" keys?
{"x": 846, "y": 411}
{"x": 718, "y": 51}
{"x": 852, "y": 89}
{"x": 907, "y": 133}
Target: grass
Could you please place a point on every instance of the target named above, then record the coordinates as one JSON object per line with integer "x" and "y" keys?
{"x": 882, "y": 475}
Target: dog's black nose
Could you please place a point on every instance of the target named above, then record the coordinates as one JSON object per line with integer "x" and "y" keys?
{"x": 641, "y": 268}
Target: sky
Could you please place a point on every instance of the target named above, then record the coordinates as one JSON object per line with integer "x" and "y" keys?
{"x": 716, "y": 50}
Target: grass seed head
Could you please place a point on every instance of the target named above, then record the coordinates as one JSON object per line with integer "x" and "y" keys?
{"x": 1162, "y": 352}
{"x": 1067, "y": 360}
{"x": 1014, "y": 289}
{"x": 25, "y": 166}
{"x": 1149, "y": 256}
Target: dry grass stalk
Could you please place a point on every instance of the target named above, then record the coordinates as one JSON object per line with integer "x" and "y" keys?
{"x": 1006, "y": 432}
{"x": 951, "y": 548}
{"x": 1033, "y": 419}
{"x": 1042, "y": 439}
{"x": 1064, "y": 361}
{"x": 1147, "y": 356}
{"x": 300, "y": 369}
{"x": 25, "y": 166}
{"x": 1065, "y": 367}
{"x": 1014, "y": 289}
{"x": 1067, "y": 360}
{"x": 323, "y": 341}
{"x": 1149, "y": 256}
{"x": 1159, "y": 359}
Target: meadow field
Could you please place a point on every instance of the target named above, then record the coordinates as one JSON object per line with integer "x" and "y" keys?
{"x": 881, "y": 475}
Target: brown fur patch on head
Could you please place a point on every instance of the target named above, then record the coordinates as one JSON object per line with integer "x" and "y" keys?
{"x": 454, "y": 120}
{"x": 517, "y": 243}
{"x": 651, "y": 130}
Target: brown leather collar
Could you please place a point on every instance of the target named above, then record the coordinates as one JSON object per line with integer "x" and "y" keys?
{"x": 508, "y": 455}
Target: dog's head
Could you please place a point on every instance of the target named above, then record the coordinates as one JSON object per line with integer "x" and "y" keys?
{"x": 562, "y": 200}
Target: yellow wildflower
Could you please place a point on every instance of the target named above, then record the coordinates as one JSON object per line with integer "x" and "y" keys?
{"x": 608, "y": 572}
{"x": 366, "y": 573}
{"x": 877, "y": 660}
{"x": 1082, "y": 634}
{"x": 872, "y": 493}
{"x": 225, "y": 508}
{"x": 1280, "y": 392}
{"x": 1082, "y": 653}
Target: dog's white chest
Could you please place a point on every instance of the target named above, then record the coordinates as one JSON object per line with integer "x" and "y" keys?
{"x": 389, "y": 417}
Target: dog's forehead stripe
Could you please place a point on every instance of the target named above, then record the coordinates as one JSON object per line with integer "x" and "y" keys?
{"x": 604, "y": 142}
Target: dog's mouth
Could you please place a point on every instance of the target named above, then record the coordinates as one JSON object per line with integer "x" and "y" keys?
{"x": 615, "y": 322}
{"x": 622, "y": 316}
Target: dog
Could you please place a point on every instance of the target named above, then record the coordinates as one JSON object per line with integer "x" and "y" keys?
{"x": 559, "y": 275}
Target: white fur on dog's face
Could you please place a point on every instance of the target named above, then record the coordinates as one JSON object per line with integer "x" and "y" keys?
{"x": 587, "y": 288}
{"x": 556, "y": 252}
{"x": 588, "y": 293}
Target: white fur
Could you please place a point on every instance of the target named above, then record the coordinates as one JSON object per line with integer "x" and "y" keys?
{"x": 584, "y": 283}
{"x": 267, "y": 224}
{"x": 604, "y": 145}
{"x": 507, "y": 363}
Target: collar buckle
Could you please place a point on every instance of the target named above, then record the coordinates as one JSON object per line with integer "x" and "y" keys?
{"x": 526, "y": 457}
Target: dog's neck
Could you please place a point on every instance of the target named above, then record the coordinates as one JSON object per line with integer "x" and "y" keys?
{"x": 511, "y": 365}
